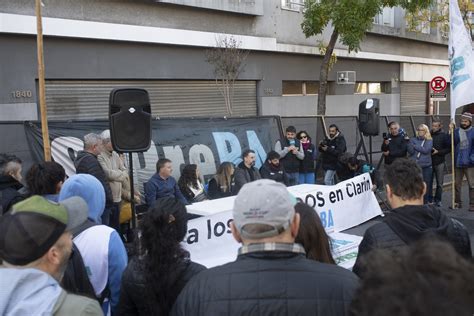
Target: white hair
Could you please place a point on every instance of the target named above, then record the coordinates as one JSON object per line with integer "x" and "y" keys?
{"x": 90, "y": 140}
{"x": 105, "y": 135}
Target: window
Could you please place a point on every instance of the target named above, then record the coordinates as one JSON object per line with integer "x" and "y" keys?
{"x": 292, "y": 88}
{"x": 293, "y": 5}
{"x": 386, "y": 17}
{"x": 372, "y": 87}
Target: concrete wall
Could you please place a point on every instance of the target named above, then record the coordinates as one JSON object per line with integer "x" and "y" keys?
{"x": 336, "y": 105}
{"x": 284, "y": 25}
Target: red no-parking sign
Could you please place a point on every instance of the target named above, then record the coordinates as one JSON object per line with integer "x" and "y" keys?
{"x": 438, "y": 84}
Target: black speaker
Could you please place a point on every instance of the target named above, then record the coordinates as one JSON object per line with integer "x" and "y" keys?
{"x": 130, "y": 120}
{"x": 369, "y": 112}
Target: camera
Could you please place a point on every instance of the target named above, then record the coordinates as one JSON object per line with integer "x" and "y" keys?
{"x": 324, "y": 142}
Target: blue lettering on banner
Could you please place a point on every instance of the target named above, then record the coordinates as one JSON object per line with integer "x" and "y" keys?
{"x": 326, "y": 219}
{"x": 255, "y": 145}
{"x": 457, "y": 64}
{"x": 228, "y": 147}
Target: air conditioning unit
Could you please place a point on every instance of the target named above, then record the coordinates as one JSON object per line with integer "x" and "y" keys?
{"x": 346, "y": 77}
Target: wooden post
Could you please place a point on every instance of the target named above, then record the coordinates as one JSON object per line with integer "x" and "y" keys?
{"x": 42, "y": 97}
{"x": 451, "y": 127}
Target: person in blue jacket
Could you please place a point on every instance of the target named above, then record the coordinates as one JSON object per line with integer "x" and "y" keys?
{"x": 101, "y": 248}
{"x": 464, "y": 159}
{"x": 419, "y": 149}
{"x": 162, "y": 184}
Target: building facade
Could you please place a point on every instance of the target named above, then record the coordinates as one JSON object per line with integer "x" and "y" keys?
{"x": 91, "y": 47}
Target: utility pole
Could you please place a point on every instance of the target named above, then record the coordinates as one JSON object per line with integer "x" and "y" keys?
{"x": 42, "y": 96}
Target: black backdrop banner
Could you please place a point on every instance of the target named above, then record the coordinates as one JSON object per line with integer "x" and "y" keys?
{"x": 202, "y": 141}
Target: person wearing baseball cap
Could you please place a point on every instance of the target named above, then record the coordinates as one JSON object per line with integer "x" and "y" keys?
{"x": 464, "y": 160}
{"x": 35, "y": 245}
{"x": 271, "y": 275}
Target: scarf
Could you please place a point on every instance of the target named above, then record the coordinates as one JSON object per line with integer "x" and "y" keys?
{"x": 463, "y": 141}
{"x": 306, "y": 145}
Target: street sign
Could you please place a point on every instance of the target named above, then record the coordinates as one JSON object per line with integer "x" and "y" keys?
{"x": 438, "y": 96}
{"x": 438, "y": 84}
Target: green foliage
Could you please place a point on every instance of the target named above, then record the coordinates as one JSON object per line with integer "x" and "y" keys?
{"x": 350, "y": 18}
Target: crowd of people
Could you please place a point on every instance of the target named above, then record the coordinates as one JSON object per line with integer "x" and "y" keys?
{"x": 63, "y": 252}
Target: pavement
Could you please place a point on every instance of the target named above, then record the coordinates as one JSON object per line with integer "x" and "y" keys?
{"x": 462, "y": 215}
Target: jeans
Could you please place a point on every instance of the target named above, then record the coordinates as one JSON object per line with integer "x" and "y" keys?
{"x": 438, "y": 174}
{"x": 329, "y": 177}
{"x": 459, "y": 175}
{"x": 106, "y": 216}
{"x": 307, "y": 178}
{"x": 115, "y": 217}
{"x": 427, "y": 179}
{"x": 293, "y": 178}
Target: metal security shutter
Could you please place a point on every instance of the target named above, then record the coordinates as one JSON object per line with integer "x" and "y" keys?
{"x": 413, "y": 98}
{"x": 89, "y": 99}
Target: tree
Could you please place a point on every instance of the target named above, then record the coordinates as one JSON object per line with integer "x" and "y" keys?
{"x": 228, "y": 60}
{"x": 350, "y": 19}
{"x": 438, "y": 16}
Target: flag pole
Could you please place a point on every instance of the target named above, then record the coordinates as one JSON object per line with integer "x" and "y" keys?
{"x": 451, "y": 127}
{"x": 42, "y": 98}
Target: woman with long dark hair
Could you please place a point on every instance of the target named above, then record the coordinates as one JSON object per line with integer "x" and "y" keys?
{"x": 190, "y": 184}
{"x": 222, "y": 184}
{"x": 312, "y": 235}
{"x": 153, "y": 280}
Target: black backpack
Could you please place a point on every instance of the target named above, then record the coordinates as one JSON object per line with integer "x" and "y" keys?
{"x": 76, "y": 279}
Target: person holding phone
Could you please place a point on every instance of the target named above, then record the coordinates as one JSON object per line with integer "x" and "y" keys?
{"x": 291, "y": 153}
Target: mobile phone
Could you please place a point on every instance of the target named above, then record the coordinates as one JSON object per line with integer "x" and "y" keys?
{"x": 384, "y": 135}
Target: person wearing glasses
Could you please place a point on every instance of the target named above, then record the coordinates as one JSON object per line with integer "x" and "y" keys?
{"x": 307, "y": 167}
{"x": 419, "y": 149}
{"x": 394, "y": 144}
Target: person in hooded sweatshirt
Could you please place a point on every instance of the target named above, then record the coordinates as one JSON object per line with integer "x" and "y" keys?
{"x": 101, "y": 248}
{"x": 410, "y": 220}
{"x": 272, "y": 169}
{"x": 35, "y": 244}
{"x": 11, "y": 189}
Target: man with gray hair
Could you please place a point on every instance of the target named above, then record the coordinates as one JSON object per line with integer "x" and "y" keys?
{"x": 86, "y": 162}
{"x": 115, "y": 173}
{"x": 11, "y": 189}
{"x": 271, "y": 275}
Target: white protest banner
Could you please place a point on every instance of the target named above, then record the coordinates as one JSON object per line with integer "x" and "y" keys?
{"x": 461, "y": 59}
{"x": 345, "y": 248}
{"x": 341, "y": 206}
{"x": 210, "y": 242}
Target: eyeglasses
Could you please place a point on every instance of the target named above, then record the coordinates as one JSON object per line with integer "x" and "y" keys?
{"x": 304, "y": 136}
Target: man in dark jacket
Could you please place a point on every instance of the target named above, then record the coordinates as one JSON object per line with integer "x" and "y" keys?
{"x": 86, "y": 162}
{"x": 410, "y": 220}
{"x": 162, "y": 184}
{"x": 331, "y": 148}
{"x": 246, "y": 171}
{"x": 464, "y": 159}
{"x": 441, "y": 147}
{"x": 291, "y": 154}
{"x": 271, "y": 275}
{"x": 273, "y": 170}
{"x": 395, "y": 145}
{"x": 11, "y": 189}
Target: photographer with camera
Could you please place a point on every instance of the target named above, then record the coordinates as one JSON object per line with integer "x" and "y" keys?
{"x": 331, "y": 148}
{"x": 395, "y": 143}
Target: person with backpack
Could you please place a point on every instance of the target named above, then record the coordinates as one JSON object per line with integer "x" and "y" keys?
{"x": 100, "y": 246}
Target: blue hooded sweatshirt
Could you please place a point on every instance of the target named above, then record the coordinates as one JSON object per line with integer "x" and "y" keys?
{"x": 26, "y": 290}
{"x": 88, "y": 188}
{"x": 101, "y": 248}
